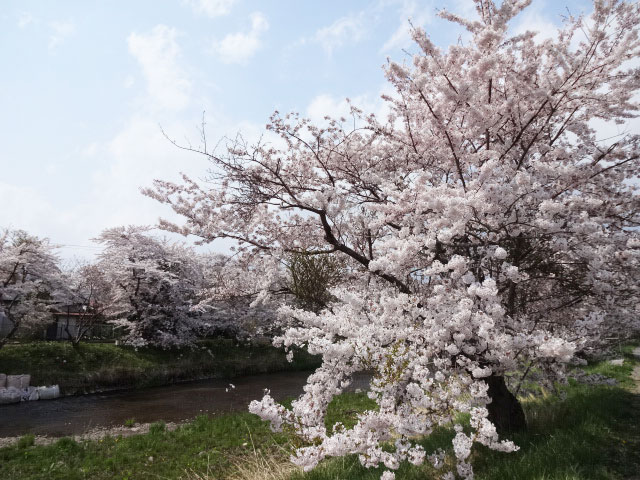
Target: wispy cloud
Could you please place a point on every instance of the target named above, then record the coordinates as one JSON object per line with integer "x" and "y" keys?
{"x": 358, "y": 26}
{"x": 60, "y": 31}
{"x": 211, "y": 8}
{"x": 533, "y": 19}
{"x": 158, "y": 52}
{"x": 241, "y": 46}
{"x": 351, "y": 28}
{"x": 410, "y": 11}
{"x": 128, "y": 81}
{"x": 24, "y": 19}
{"x": 327, "y": 105}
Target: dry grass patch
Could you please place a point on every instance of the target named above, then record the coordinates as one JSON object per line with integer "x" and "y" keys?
{"x": 257, "y": 465}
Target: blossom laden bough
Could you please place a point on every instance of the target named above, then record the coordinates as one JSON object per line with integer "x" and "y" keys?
{"x": 483, "y": 228}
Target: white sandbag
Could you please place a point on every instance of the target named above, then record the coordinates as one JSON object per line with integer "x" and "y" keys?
{"x": 34, "y": 395}
{"x": 18, "y": 381}
{"x": 14, "y": 381}
{"x": 25, "y": 381}
{"x": 3, "y": 380}
{"x": 10, "y": 395}
{"x": 29, "y": 394}
{"x": 48, "y": 393}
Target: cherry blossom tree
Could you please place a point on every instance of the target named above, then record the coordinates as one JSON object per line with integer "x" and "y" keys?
{"x": 30, "y": 281}
{"x": 88, "y": 292}
{"x": 233, "y": 299}
{"x": 154, "y": 287}
{"x": 486, "y": 227}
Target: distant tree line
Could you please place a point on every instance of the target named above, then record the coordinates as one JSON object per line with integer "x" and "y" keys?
{"x": 159, "y": 292}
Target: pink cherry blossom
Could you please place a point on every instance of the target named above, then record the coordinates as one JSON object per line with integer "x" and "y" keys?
{"x": 485, "y": 226}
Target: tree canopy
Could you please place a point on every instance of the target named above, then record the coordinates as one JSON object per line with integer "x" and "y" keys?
{"x": 485, "y": 227}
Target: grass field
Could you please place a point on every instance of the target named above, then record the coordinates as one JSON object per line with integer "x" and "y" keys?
{"x": 591, "y": 433}
{"x": 100, "y": 366}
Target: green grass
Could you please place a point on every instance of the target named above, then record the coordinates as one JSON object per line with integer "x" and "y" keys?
{"x": 591, "y": 433}
{"x": 26, "y": 441}
{"x": 346, "y": 407}
{"x": 99, "y": 366}
{"x": 621, "y": 373}
{"x": 205, "y": 443}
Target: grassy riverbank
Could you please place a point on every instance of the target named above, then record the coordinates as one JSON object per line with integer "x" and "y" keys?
{"x": 101, "y": 366}
{"x": 593, "y": 433}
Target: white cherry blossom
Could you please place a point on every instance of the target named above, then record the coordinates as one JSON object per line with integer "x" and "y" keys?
{"x": 484, "y": 225}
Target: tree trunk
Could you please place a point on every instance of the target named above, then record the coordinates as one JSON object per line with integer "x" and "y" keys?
{"x": 8, "y": 336}
{"x": 505, "y": 411}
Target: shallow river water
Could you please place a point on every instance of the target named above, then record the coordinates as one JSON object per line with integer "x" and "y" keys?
{"x": 173, "y": 403}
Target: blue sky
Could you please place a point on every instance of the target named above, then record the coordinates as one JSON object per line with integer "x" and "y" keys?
{"x": 86, "y": 86}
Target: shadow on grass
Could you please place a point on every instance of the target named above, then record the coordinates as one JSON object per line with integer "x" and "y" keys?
{"x": 594, "y": 433}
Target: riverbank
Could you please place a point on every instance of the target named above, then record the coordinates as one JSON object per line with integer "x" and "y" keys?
{"x": 208, "y": 447}
{"x": 591, "y": 432}
{"x": 93, "y": 435}
{"x": 178, "y": 403}
{"x": 96, "y": 367}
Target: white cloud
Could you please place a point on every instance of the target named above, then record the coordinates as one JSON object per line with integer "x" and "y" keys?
{"x": 28, "y": 205}
{"x": 357, "y": 26}
{"x": 24, "y": 19}
{"x": 60, "y": 31}
{"x": 158, "y": 52}
{"x": 239, "y": 47}
{"x": 40, "y": 215}
{"x": 129, "y": 81}
{"x": 326, "y": 105}
{"x": 140, "y": 153}
{"x": 464, "y": 8}
{"x": 137, "y": 155}
{"x": 534, "y": 21}
{"x": 90, "y": 150}
{"x": 352, "y": 28}
{"x": 110, "y": 196}
{"x": 211, "y": 8}
{"x": 401, "y": 38}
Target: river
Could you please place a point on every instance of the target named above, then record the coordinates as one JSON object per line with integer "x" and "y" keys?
{"x": 173, "y": 403}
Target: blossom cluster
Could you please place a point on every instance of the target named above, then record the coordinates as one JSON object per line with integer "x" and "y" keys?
{"x": 484, "y": 225}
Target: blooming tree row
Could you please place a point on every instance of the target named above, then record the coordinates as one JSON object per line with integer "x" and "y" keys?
{"x": 485, "y": 228}
{"x": 160, "y": 293}
{"x": 30, "y": 281}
